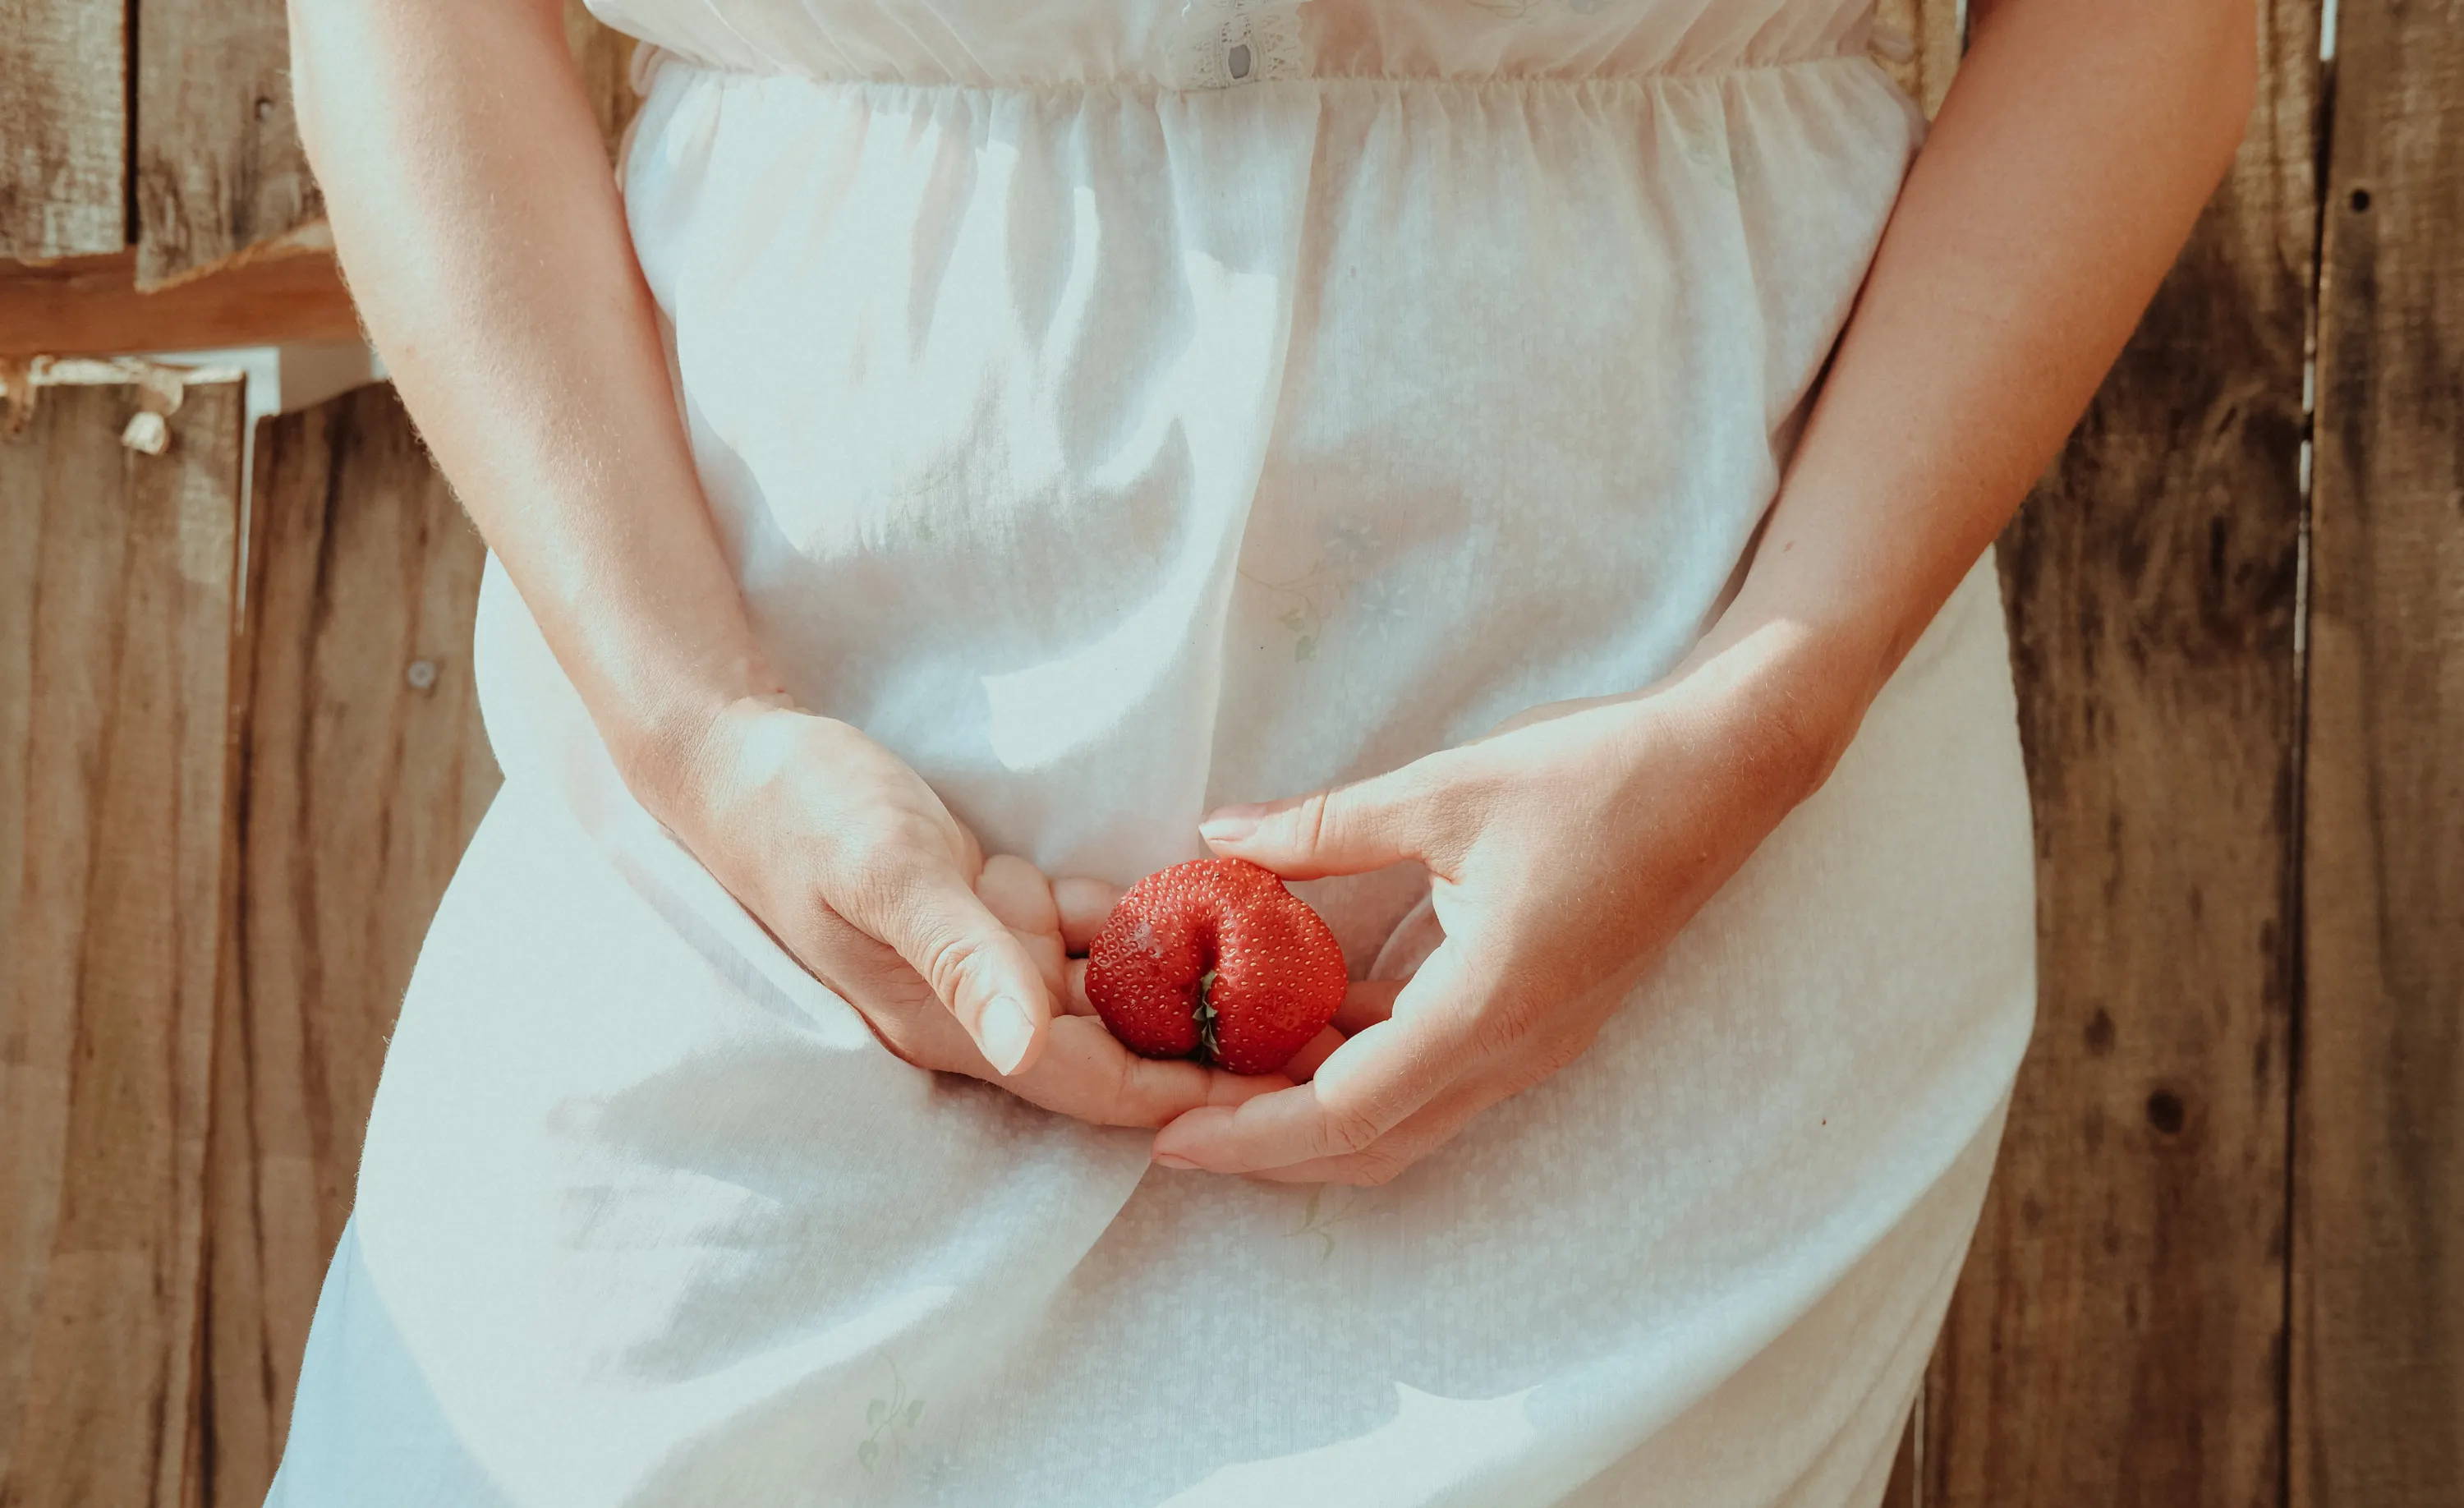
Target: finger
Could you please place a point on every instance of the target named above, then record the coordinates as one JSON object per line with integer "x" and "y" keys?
{"x": 1085, "y": 1073}
{"x": 1350, "y": 829}
{"x": 1052, "y": 964}
{"x": 978, "y": 968}
{"x": 1368, "y": 1002}
{"x": 1017, "y": 892}
{"x": 1420, "y": 1133}
{"x": 1316, "y": 1051}
{"x": 890, "y": 997}
{"x": 1362, "y": 1091}
{"x": 1073, "y": 991}
{"x": 1084, "y": 905}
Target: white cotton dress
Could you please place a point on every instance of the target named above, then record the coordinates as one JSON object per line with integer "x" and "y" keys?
{"x": 1118, "y": 407}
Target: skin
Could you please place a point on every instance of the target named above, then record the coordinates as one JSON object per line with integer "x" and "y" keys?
{"x": 476, "y": 219}
{"x": 473, "y": 214}
{"x": 2064, "y": 172}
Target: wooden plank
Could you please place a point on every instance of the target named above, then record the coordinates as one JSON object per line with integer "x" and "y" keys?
{"x": 2378, "y": 1357}
{"x": 221, "y": 175}
{"x": 1933, "y": 32}
{"x": 2116, "y": 1337}
{"x": 64, "y": 128}
{"x": 116, "y": 577}
{"x": 219, "y": 169}
{"x": 1906, "y": 1488}
{"x": 366, "y": 770}
{"x": 89, "y": 306}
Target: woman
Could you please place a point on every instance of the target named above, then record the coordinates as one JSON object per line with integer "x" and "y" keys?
{"x": 1541, "y": 451}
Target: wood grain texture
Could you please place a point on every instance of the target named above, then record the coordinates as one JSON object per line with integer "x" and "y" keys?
{"x": 2378, "y": 1397}
{"x": 90, "y": 306}
{"x": 220, "y": 173}
{"x": 2117, "y": 1335}
{"x": 219, "y": 169}
{"x": 364, "y": 771}
{"x": 1906, "y": 1488}
{"x": 116, "y": 575}
{"x": 1933, "y": 32}
{"x": 64, "y": 128}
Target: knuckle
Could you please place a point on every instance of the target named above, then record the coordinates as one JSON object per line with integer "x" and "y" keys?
{"x": 876, "y": 838}
{"x": 944, "y": 957}
{"x": 1442, "y": 795}
{"x": 1310, "y": 819}
{"x": 1116, "y": 1104}
{"x": 1434, "y": 780}
{"x": 865, "y": 832}
{"x": 1504, "y": 1027}
{"x": 1349, "y": 1130}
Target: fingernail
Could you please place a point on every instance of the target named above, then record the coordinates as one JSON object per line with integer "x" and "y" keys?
{"x": 1230, "y": 825}
{"x": 1167, "y": 1160}
{"x": 1005, "y": 1034}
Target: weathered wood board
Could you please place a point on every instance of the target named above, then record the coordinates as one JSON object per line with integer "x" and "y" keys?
{"x": 117, "y": 584}
{"x": 2132, "y": 1328}
{"x": 2378, "y": 1364}
{"x": 2117, "y": 1338}
{"x": 1934, "y": 35}
{"x": 89, "y": 306}
{"x": 219, "y": 169}
{"x": 64, "y": 128}
{"x": 365, "y": 771}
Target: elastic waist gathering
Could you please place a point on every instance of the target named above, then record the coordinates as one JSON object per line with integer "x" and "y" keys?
{"x": 650, "y": 55}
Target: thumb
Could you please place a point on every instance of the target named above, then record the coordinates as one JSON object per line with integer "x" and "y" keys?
{"x": 979, "y": 969}
{"x": 1350, "y": 829}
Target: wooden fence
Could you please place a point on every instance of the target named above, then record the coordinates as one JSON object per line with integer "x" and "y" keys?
{"x": 2223, "y": 1264}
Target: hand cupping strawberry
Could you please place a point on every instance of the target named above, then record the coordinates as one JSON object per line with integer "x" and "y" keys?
{"x": 1216, "y": 960}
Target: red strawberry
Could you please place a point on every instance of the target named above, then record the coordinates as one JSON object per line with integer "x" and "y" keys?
{"x": 1214, "y": 959}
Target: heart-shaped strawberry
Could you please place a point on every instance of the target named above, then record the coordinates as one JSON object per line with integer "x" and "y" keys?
{"x": 1216, "y": 960}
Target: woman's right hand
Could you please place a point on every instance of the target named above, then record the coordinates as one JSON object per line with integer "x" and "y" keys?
{"x": 466, "y": 181}
{"x": 852, "y": 863}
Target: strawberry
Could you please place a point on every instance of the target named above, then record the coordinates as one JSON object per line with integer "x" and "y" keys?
{"x": 1214, "y": 960}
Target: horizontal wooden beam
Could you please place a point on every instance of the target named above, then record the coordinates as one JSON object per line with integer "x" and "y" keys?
{"x": 90, "y": 305}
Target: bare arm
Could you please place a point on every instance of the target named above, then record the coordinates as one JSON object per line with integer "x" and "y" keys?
{"x": 474, "y": 213}
{"x": 485, "y": 242}
{"x": 2065, "y": 172}
{"x": 2075, "y": 147}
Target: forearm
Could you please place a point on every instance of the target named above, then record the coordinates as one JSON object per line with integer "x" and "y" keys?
{"x": 483, "y": 238}
{"x": 2060, "y": 179}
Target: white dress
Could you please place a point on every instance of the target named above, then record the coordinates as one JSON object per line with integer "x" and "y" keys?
{"x": 1118, "y": 407}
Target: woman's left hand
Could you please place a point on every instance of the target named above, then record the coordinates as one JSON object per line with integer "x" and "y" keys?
{"x": 1565, "y": 849}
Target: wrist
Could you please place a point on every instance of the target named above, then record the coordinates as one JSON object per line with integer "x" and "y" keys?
{"x": 664, "y": 745}
{"x": 1786, "y": 693}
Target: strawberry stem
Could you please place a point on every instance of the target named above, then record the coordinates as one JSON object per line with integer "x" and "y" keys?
{"x": 1206, "y": 1017}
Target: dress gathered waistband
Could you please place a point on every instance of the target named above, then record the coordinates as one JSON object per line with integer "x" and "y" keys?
{"x": 649, "y": 57}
